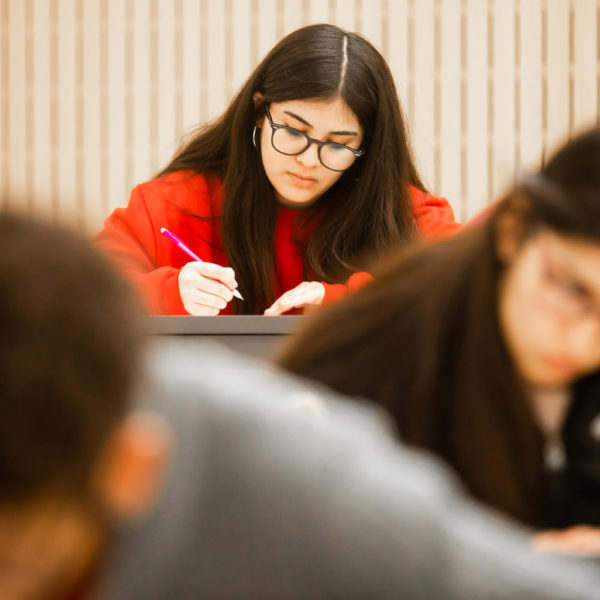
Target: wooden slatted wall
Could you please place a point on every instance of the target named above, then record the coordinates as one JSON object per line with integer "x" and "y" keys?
{"x": 96, "y": 94}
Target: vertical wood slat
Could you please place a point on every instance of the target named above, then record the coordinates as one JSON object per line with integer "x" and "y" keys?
{"x": 585, "y": 101}
{"x": 142, "y": 93}
{"x": 216, "y": 57}
{"x": 397, "y": 34}
{"x": 166, "y": 137}
{"x": 179, "y": 90}
{"x": 190, "y": 70}
{"x": 477, "y": 105}
{"x": 292, "y": 15}
{"x": 66, "y": 201}
{"x": 4, "y": 101}
{"x": 41, "y": 149}
{"x": 450, "y": 102}
{"x": 95, "y": 123}
{"x": 116, "y": 151}
{"x": 410, "y": 61}
{"x": 530, "y": 84}
{"x": 91, "y": 100}
{"x": 557, "y": 72}
{"x": 345, "y": 14}
{"x": 424, "y": 89}
{"x": 371, "y": 17}
{"x": 242, "y": 65}
{"x": 16, "y": 177}
{"x": 503, "y": 96}
{"x": 203, "y": 58}
{"x": 318, "y": 12}
{"x": 267, "y": 27}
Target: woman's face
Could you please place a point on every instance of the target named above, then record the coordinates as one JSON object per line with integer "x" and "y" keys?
{"x": 549, "y": 308}
{"x": 301, "y": 179}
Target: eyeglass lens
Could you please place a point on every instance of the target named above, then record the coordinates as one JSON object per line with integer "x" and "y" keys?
{"x": 292, "y": 142}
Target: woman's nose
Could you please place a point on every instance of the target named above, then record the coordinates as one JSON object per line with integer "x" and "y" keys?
{"x": 310, "y": 157}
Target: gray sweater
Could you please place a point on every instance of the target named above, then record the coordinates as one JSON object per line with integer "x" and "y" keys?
{"x": 267, "y": 500}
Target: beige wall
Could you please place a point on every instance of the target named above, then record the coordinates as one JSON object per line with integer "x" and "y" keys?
{"x": 96, "y": 94}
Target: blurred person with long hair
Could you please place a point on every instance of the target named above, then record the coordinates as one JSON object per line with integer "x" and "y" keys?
{"x": 486, "y": 347}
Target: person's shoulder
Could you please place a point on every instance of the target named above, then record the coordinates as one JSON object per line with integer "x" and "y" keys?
{"x": 187, "y": 190}
{"x": 433, "y": 215}
{"x": 421, "y": 198}
{"x": 416, "y": 195}
{"x": 184, "y": 181}
{"x": 253, "y": 383}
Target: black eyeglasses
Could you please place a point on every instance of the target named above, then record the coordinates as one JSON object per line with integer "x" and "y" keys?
{"x": 291, "y": 142}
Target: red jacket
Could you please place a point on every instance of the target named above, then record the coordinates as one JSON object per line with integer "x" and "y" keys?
{"x": 132, "y": 237}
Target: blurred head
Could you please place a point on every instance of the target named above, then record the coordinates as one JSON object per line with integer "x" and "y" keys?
{"x": 548, "y": 242}
{"x": 70, "y": 456}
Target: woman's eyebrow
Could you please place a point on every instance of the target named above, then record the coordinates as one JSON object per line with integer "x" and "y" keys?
{"x": 568, "y": 268}
{"x": 299, "y": 118}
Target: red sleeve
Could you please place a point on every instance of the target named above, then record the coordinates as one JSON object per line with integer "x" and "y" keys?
{"x": 334, "y": 291}
{"x": 434, "y": 216}
{"x": 130, "y": 239}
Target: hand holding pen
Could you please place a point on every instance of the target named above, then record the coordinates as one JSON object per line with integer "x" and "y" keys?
{"x": 205, "y": 288}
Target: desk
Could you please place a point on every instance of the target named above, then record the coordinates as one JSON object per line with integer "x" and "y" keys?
{"x": 258, "y": 336}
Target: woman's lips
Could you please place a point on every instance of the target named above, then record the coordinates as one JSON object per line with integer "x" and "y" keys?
{"x": 300, "y": 180}
{"x": 562, "y": 366}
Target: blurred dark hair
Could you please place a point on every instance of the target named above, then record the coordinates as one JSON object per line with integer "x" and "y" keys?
{"x": 69, "y": 350}
{"x": 366, "y": 211}
{"x": 424, "y": 340}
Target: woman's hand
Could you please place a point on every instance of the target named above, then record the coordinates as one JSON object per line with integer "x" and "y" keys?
{"x": 580, "y": 539}
{"x": 205, "y": 288}
{"x": 305, "y": 294}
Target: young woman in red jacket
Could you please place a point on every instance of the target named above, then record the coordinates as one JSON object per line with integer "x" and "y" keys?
{"x": 304, "y": 180}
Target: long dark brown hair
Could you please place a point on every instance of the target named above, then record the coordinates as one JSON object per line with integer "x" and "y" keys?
{"x": 424, "y": 339}
{"x": 364, "y": 213}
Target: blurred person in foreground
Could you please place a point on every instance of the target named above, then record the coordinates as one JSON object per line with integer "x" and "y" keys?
{"x": 486, "y": 349}
{"x": 194, "y": 477}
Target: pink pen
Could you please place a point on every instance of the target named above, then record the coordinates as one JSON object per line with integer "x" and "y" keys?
{"x": 172, "y": 237}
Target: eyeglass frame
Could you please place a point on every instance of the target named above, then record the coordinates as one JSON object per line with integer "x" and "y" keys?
{"x": 551, "y": 278}
{"x": 310, "y": 142}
